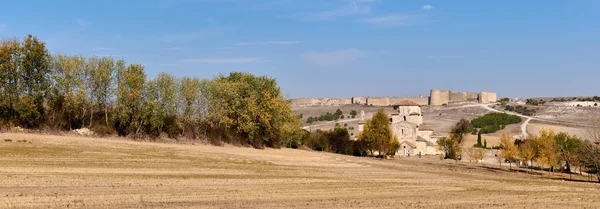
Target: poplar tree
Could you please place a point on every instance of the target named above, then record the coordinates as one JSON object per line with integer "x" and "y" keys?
{"x": 192, "y": 104}
{"x": 160, "y": 104}
{"x": 33, "y": 75}
{"x": 129, "y": 105}
{"x": 10, "y": 55}
{"x": 102, "y": 84}
{"x": 66, "y": 95}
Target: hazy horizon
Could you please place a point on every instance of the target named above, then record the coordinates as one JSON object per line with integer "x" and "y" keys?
{"x": 337, "y": 48}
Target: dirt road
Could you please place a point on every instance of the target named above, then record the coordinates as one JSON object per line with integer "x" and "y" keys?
{"x": 528, "y": 119}
{"x": 39, "y": 171}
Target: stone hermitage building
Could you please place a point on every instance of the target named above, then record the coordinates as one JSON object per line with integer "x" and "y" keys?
{"x": 407, "y": 125}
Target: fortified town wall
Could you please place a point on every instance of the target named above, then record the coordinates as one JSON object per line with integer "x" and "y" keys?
{"x": 436, "y": 97}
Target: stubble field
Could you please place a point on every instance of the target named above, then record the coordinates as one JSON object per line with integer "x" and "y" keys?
{"x": 40, "y": 171}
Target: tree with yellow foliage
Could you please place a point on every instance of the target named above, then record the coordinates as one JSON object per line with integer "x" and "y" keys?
{"x": 475, "y": 154}
{"x": 547, "y": 149}
{"x": 251, "y": 108}
{"x": 528, "y": 150}
{"x": 509, "y": 150}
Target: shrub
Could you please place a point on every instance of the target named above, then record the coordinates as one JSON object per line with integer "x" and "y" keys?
{"x": 492, "y": 122}
{"x": 173, "y": 127}
{"x": 103, "y": 130}
{"x": 353, "y": 113}
{"x": 536, "y": 102}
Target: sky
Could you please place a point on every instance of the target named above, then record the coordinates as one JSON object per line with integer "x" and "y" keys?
{"x": 336, "y": 48}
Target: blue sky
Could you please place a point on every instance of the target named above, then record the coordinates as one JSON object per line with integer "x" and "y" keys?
{"x": 337, "y": 48}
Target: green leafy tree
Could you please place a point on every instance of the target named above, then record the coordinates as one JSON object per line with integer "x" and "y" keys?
{"x": 353, "y": 113}
{"x": 338, "y": 112}
{"x": 68, "y": 92}
{"x": 447, "y": 145}
{"x": 102, "y": 84}
{"x": 10, "y": 61}
{"x": 193, "y": 105}
{"x": 129, "y": 103}
{"x": 34, "y": 72}
{"x": 479, "y": 140}
{"x": 310, "y": 120}
{"x": 452, "y": 145}
{"x": 249, "y": 107}
{"x": 152, "y": 117}
{"x": 568, "y": 147}
{"x": 460, "y": 129}
{"x": 161, "y": 104}
{"x": 378, "y": 135}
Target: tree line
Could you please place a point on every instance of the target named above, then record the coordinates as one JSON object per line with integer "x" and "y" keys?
{"x": 520, "y": 109}
{"x": 554, "y": 152}
{"x": 59, "y": 92}
{"x": 549, "y": 151}
{"x": 338, "y": 114}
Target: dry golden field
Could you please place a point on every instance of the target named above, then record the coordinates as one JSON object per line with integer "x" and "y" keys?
{"x": 39, "y": 171}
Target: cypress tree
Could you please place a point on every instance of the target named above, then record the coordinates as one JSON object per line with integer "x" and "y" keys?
{"x": 479, "y": 139}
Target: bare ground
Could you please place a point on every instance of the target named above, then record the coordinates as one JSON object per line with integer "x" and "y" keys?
{"x": 40, "y": 171}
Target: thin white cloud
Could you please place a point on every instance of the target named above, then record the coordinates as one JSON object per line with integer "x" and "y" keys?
{"x": 3, "y": 26}
{"x": 83, "y": 23}
{"x": 183, "y": 37}
{"x": 333, "y": 58}
{"x": 356, "y": 7}
{"x": 103, "y": 49}
{"x": 392, "y": 20}
{"x": 445, "y": 57}
{"x": 165, "y": 4}
{"x": 108, "y": 55}
{"x": 268, "y": 42}
{"x": 194, "y": 35}
{"x": 269, "y": 5}
{"x": 226, "y": 60}
{"x": 173, "y": 49}
{"x": 170, "y": 65}
{"x": 426, "y": 7}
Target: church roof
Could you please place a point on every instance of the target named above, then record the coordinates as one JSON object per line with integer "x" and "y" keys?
{"x": 406, "y": 103}
{"x": 409, "y": 144}
{"x": 423, "y": 128}
{"x": 427, "y": 142}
